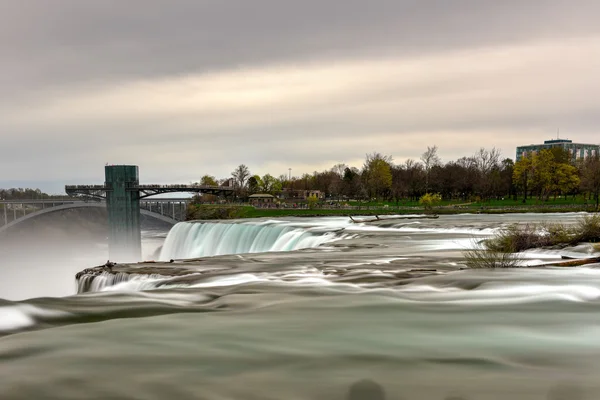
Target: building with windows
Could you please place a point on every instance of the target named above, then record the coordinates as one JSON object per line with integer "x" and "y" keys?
{"x": 576, "y": 150}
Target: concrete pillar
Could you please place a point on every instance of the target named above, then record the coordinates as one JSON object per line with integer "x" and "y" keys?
{"x": 161, "y": 208}
{"x": 5, "y": 214}
{"x": 173, "y": 206}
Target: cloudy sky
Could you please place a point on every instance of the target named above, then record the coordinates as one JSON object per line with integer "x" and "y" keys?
{"x": 184, "y": 88}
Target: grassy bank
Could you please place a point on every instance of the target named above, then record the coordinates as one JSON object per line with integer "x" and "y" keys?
{"x": 235, "y": 212}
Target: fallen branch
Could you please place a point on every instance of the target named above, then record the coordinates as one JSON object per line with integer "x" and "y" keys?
{"x": 574, "y": 262}
{"x": 377, "y": 219}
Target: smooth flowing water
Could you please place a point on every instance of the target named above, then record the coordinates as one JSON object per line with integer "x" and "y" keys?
{"x": 314, "y": 309}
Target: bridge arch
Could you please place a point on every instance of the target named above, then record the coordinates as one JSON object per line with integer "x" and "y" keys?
{"x": 35, "y": 214}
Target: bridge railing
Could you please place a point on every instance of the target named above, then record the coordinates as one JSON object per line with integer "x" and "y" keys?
{"x": 84, "y": 187}
{"x": 183, "y": 186}
{"x": 12, "y": 210}
{"x": 175, "y": 209}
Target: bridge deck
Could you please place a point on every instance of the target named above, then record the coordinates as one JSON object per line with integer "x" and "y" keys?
{"x": 170, "y": 210}
{"x": 153, "y": 187}
{"x": 99, "y": 191}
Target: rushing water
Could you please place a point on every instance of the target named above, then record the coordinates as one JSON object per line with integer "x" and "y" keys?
{"x": 314, "y": 309}
{"x": 191, "y": 240}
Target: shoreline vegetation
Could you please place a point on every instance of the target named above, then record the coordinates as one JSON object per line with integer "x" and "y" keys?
{"x": 232, "y": 211}
{"x": 502, "y": 250}
{"x": 549, "y": 181}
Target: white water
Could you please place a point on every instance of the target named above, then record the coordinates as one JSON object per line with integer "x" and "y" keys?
{"x": 201, "y": 239}
{"x": 23, "y": 315}
{"x": 118, "y": 281}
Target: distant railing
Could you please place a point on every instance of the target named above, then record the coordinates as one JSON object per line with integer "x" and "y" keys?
{"x": 184, "y": 186}
{"x": 172, "y": 186}
{"x": 82, "y": 187}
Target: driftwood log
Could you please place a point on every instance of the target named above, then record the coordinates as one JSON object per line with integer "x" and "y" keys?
{"x": 574, "y": 262}
{"x": 435, "y": 216}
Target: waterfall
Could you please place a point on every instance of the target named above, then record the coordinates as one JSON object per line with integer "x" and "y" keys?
{"x": 105, "y": 280}
{"x": 201, "y": 239}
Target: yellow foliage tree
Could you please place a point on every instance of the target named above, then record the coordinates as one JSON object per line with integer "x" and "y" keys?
{"x": 312, "y": 201}
{"x": 428, "y": 200}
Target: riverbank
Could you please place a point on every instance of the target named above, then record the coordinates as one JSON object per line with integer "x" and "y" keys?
{"x": 206, "y": 212}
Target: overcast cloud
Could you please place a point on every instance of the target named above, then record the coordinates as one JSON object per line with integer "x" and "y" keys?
{"x": 188, "y": 87}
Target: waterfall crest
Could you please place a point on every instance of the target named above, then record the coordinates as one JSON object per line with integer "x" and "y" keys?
{"x": 202, "y": 239}
{"x": 98, "y": 283}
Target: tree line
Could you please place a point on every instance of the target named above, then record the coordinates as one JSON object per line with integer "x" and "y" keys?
{"x": 24, "y": 194}
{"x": 481, "y": 177}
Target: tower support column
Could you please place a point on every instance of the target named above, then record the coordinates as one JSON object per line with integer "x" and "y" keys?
{"x": 123, "y": 206}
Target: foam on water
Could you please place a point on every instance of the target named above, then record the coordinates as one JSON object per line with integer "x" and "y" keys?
{"x": 201, "y": 239}
{"x": 118, "y": 281}
{"x": 230, "y": 280}
{"x": 23, "y": 316}
{"x": 508, "y": 291}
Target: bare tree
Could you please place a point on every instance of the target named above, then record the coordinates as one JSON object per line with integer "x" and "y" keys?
{"x": 241, "y": 175}
{"x": 590, "y": 177}
{"x": 430, "y": 159}
{"x": 487, "y": 160}
{"x": 487, "y": 163}
{"x": 339, "y": 169}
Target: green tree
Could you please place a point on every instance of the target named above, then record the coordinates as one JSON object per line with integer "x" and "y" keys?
{"x": 351, "y": 182}
{"x": 377, "y": 173}
{"x": 254, "y": 183}
{"x": 522, "y": 173}
{"x": 564, "y": 179}
{"x": 506, "y": 178}
{"x": 561, "y": 155}
{"x": 268, "y": 183}
{"x": 543, "y": 168}
{"x": 208, "y": 180}
{"x": 276, "y": 187}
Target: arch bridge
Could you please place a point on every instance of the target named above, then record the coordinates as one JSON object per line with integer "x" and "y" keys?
{"x": 14, "y": 212}
{"x": 125, "y": 200}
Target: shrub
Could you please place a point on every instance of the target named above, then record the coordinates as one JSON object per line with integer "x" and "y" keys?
{"x": 490, "y": 259}
{"x": 312, "y": 201}
{"x": 587, "y": 229}
{"x": 515, "y": 238}
{"x": 557, "y": 234}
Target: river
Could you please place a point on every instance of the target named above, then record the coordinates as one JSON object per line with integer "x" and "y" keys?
{"x": 303, "y": 308}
